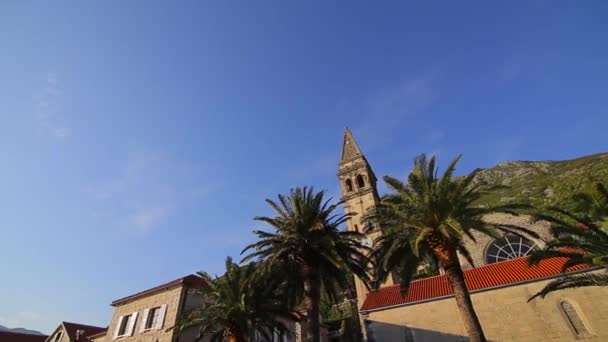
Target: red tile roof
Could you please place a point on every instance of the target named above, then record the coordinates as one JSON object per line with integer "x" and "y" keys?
{"x": 498, "y": 274}
{"x": 9, "y": 336}
{"x": 189, "y": 280}
{"x": 72, "y": 328}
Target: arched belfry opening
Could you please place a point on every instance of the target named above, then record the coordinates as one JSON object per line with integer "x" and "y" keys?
{"x": 349, "y": 185}
{"x": 360, "y": 181}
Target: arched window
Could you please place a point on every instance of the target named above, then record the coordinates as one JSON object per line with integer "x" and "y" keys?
{"x": 508, "y": 247}
{"x": 357, "y": 228}
{"x": 360, "y": 181}
{"x": 574, "y": 320}
{"x": 349, "y": 185}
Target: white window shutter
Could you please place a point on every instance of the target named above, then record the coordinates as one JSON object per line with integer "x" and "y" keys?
{"x": 132, "y": 324}
{"x": 119, "y": 323}
{"x": 144, "y": 320}
{"x": 161, "y": 317}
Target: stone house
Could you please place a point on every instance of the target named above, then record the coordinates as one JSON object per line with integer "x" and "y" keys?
{"x": 149, "y": 315}
{"x": 73, "y": 332}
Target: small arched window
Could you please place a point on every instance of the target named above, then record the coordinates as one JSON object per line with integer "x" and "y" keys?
{"x": 357, "y": 228}
{"x": 349, "y": 185}
{"x": 574, "y": 320}
{"x": 360, "y": 181}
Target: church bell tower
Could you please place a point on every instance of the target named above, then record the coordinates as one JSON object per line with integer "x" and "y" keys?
{"x": 359, "y": 193}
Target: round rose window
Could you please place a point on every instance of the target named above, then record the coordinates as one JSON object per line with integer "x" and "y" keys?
{"x": 509, "y": 247}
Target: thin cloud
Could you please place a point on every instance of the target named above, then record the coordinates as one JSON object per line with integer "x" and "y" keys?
{"x": 147, "y": 218}
{"x": 146, "y": 191}
{"x": 46, "y": 113}
{"x": 385, "y": 111}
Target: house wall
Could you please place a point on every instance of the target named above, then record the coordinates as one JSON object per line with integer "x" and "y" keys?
{"x": 170, "y": 297}
{"x": 64, "y": 335}
{"x": 100, "y": 338}
{"x": 504, "y": 313}
{"x": 192, "y": 300}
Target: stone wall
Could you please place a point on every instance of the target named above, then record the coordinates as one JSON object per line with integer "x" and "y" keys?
{"x": 170, "y": 297}
{"x": 99, "y": 338}
{"x": 478, "y": 249}
{"x": 504, "y": 313}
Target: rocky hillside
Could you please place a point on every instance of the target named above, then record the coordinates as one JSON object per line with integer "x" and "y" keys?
{"x": 543, "y": 183}
{"x": 21, "y": 330}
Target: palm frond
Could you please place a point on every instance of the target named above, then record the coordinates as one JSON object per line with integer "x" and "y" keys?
{"x": 570, "y": 282}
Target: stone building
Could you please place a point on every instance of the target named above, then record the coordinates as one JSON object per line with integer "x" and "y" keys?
{"x": 149, "y": 315}
{"x": 74, "y": 332}
{"x": 500, "y": 285}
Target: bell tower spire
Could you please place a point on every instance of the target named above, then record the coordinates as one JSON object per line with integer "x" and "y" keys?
{"x": 350, "y": 149}
{"x": 359, "y": 193}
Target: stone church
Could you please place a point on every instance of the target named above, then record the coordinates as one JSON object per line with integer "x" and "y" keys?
{"x": 500, "y": 283}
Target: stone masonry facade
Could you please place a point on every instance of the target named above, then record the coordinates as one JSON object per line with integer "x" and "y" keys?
{"x": 170, "y": 297}
{"x": 505, "y": 315}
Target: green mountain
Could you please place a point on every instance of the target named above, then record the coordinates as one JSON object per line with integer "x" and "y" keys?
{"x": 544, "y": 183}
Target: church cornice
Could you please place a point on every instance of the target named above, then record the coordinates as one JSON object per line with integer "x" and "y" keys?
{"x": 357, "y": 193}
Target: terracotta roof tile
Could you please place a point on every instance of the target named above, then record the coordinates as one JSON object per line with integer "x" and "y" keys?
{"x": 189, "y": 280}
{"x": 487, "y": 276}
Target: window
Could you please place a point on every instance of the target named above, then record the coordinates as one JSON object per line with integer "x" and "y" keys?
{"x": 153, "y": 317}
{"x": 124, "y": 323}
{"x": 349, "y": 185}
{"x": 357, "y": 228}
{"x": 508, "y": 247}
{"x": 58, "y": 336}
{"x": 360, "y": 181}
{"x": 574, "y": 320}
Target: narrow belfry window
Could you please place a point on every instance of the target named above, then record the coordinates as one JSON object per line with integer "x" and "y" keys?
{"x": 357, "y": 228}
{"x": 349, "y": 185}
{"x": 577, "y": 325}
{"x": 360, "y": 181}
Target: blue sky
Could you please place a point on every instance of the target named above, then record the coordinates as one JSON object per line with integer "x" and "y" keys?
{"x": 139, "y": 139}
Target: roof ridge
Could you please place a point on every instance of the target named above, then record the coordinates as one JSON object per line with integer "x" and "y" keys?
{"x": 84, "y": 325}
{"x": 505, "y": 273}
{"x": 186, "y": 280}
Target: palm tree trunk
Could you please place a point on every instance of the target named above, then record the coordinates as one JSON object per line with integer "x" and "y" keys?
{"x": 312, "y": 298}
{"x": 448, "y": 259}
{"x": 235, "y": 335}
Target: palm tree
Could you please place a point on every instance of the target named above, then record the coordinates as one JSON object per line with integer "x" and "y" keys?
{"x": 309, "y": 251}
{"x": 427, "y": 217}
{"x": 237, "y": 306}
{"x": 593, "y": 204}
{"x": 581, "y": 238}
